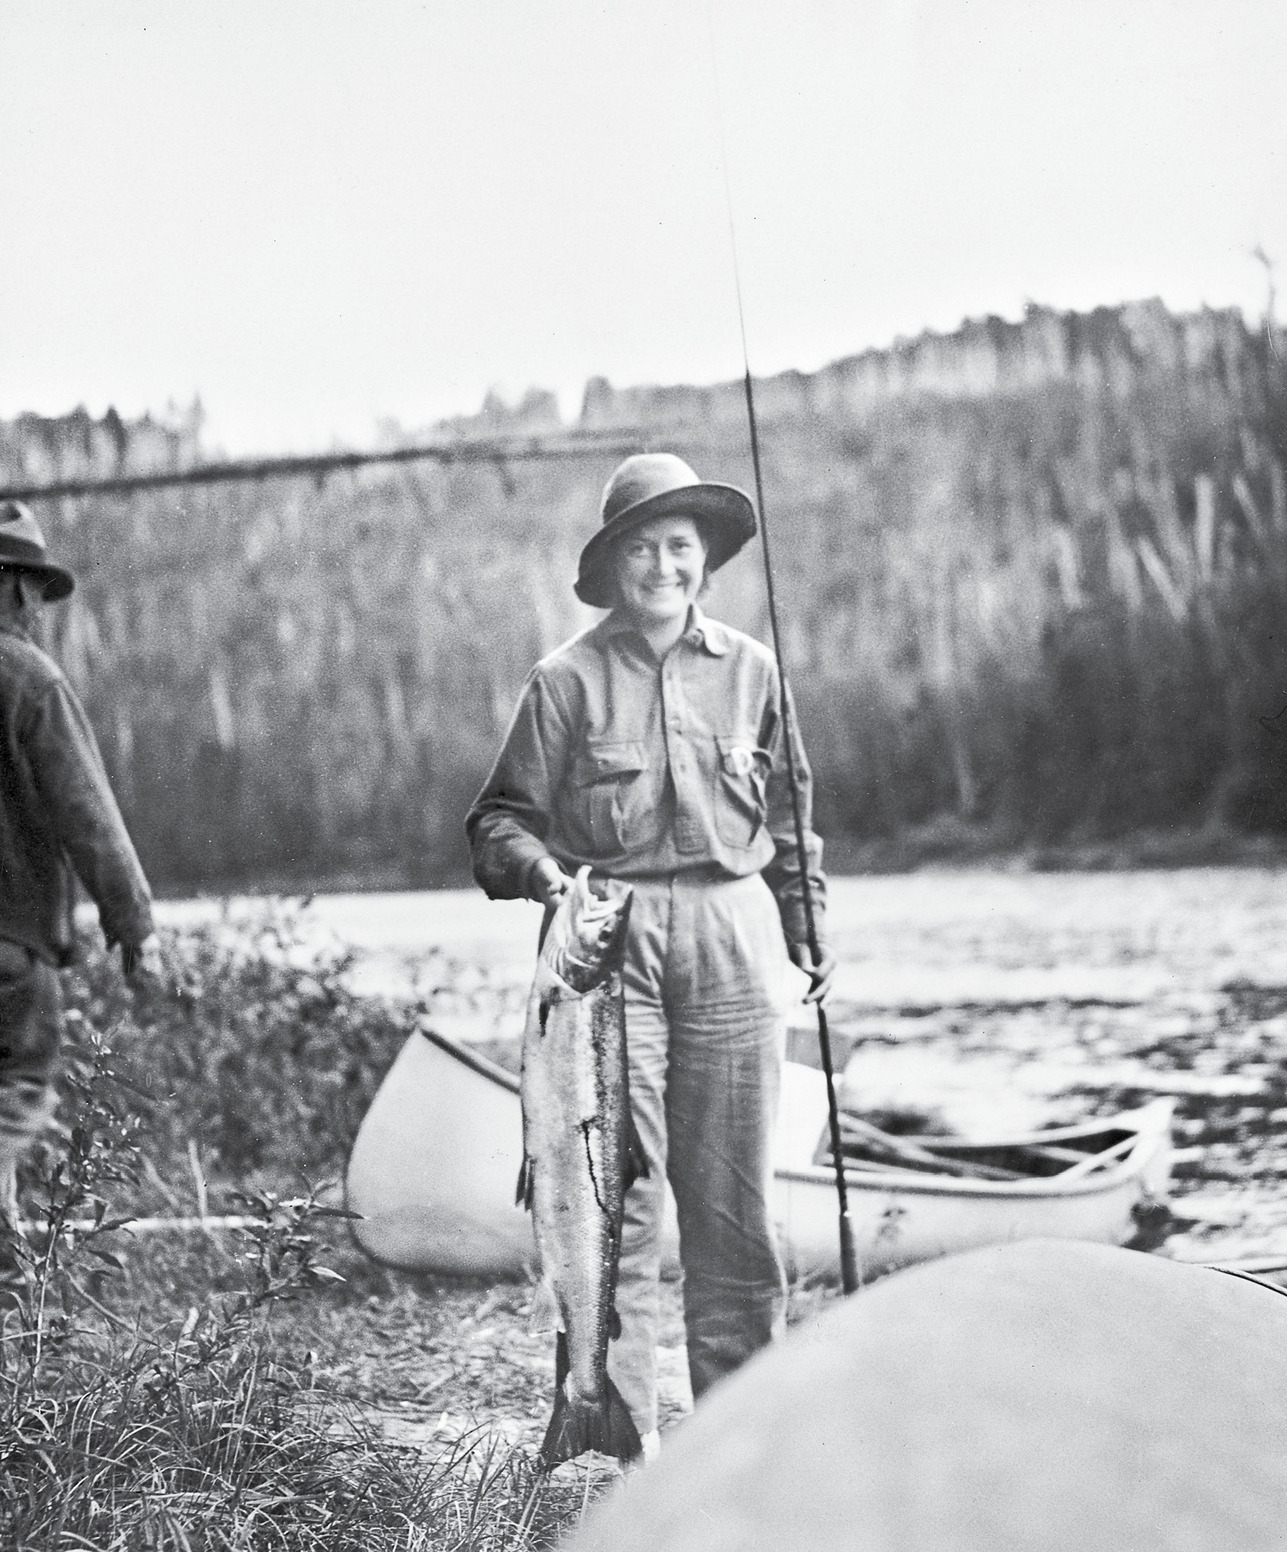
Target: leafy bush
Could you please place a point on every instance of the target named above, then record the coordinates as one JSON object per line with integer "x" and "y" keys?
{"x": 124, "y": 1425}
{"x": 249, "y": 1059}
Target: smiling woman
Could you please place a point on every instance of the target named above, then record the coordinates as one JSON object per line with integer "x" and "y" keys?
{"x": 652, "y": 749}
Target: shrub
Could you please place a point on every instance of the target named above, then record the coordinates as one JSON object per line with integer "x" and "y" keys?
{"x": 250, "y": 1059}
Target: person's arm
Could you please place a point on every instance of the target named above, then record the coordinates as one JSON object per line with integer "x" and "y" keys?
{"x": 72, "y": 784}
{"x": 510, "y": 818}
{"x": 783, "y": 873}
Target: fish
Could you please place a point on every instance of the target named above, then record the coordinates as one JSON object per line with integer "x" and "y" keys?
{"x": 581, "y": 1153}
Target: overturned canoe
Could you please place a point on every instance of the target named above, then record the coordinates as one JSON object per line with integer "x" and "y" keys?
{"x": 434, "y": 1165}
{"x": 1022, "y": 1398}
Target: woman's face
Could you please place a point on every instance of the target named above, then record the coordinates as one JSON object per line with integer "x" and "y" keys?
{"x": 660, "y": 568}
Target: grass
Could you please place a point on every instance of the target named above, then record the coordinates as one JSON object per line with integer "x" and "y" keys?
{"x": 191, "y": 1394}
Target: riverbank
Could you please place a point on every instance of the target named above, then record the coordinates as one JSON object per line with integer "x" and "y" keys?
{"x": 981, "y": 998}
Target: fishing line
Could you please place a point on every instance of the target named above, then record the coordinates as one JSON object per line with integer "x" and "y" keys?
{"x": 848, "y": 1258}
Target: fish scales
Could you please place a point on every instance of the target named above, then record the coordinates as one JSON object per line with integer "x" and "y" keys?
{"x": 580, "y": 1154}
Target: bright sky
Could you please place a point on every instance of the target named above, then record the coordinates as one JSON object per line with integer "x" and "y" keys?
{"x": 318, "y": 213}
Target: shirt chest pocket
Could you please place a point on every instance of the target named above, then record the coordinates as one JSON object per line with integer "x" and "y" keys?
{"x": 611, "y": 806}
{"x": 741, "y": 789}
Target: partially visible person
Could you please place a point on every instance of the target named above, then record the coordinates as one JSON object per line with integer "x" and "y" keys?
{"x": 57, "y": 817}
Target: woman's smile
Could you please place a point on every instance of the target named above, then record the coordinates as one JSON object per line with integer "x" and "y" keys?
{"x": 660, "y": 569}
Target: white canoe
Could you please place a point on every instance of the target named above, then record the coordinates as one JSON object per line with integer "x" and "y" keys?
{"x": 434, "y": 1166}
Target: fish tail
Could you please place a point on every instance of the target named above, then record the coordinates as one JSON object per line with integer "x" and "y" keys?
{"x": 623, "y": 1436}
{"x": 577, "y": 1426}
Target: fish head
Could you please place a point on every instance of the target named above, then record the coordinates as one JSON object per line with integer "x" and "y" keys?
{"x": 587, "y": 936}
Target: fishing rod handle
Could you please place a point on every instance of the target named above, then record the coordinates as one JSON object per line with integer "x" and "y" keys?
{"x": 848, "y": 1255}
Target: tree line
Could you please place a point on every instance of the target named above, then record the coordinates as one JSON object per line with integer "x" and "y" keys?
{"x": 1034, "y": 578}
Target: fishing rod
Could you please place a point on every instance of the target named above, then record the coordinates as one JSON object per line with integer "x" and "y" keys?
{"x": 848, "y": 1254}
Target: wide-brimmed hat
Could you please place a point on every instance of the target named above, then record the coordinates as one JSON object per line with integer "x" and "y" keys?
{"x": 22, "y": 544}
{"x": 652, "y": 485}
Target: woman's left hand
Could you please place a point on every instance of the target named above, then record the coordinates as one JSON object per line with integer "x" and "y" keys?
{"x": 820, "y": 975}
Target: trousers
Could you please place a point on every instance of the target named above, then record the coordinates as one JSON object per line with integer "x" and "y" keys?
{"x": 31, "y": 1028}
{"x": 704, "y": 984}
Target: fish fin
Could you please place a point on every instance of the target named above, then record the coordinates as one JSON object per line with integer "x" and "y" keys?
{"x": 546, "y": 1315}
{"x": 636, "y": 1159}
{"x": 614, "y": 1324}
{"x": 575, "y": 1427}
{"x": 550, "y": 909}
{"x": 567, "y": 1435}
{"x": 621, "y": 1436}
{"x": 526, "y": 1182}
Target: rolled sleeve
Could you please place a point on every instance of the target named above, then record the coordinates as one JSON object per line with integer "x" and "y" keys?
{"x": 72, "y": 782}
{"x": 510, "y": 818}
{"x": 782, "y": 874}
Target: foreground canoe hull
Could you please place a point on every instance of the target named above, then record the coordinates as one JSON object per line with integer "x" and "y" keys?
{"x": 1024, "y": 1398}
{"x": 435, "y": 1163}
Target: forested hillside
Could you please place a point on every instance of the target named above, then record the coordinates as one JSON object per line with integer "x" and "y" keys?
{"x": 1035, "y": 579}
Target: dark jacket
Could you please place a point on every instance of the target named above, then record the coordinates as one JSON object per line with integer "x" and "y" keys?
{"x": 57, "y": 813}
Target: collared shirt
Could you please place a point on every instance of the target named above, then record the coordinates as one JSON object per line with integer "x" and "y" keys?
{"x": 640, "y": 767}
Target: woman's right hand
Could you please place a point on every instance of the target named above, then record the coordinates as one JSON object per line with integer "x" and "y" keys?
{"x": 548, "y": 882}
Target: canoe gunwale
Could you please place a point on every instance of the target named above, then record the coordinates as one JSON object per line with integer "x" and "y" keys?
{"x": 482, "y": 1065}
{"x": 1124, "y": 1121}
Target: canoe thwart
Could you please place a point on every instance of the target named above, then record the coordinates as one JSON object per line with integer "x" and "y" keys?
{"x": 865, "y": 1144}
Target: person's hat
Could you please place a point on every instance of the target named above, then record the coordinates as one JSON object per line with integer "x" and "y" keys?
{"x": 22, "y": 544}
{"x": 652, "y": 485}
